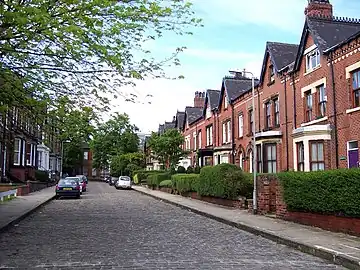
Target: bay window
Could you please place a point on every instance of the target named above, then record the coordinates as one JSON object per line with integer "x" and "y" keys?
{"x": 308, "y": 106}
{"x": 270, "y": 158}
{"x": 17, "y": 151}
{"x": 322, "y": 100}
{"x": 317, "y": 159}
{"x": 241, "y": 125}
{"x": 356, "y": 88}
{"x": 209, "y": 135}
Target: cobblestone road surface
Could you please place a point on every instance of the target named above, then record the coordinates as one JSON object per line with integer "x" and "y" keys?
{"x": 115, "y": 229}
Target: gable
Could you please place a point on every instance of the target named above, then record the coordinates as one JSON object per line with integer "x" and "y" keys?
{"x": 267, "y": 62}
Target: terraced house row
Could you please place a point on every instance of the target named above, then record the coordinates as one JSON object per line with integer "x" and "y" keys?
{"x": 307, "y": 104}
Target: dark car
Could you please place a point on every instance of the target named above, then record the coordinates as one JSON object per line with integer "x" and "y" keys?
{"x": 112, "y": 181}
{"x": 68, "y": 188}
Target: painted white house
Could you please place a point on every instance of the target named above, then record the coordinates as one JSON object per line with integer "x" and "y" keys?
{"x": 43, "y": 157}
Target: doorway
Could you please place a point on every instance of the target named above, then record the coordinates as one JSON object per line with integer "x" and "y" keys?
{"x": 353, "y": 154}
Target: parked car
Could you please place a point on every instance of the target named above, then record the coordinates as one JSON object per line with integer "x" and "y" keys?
{"x": 107, "y": 179}
{"x": 77, "y": 179}
{"x": 112, "y": 181}
{"x": 68, "y": 188}
{"x": 123, "y": 182}
{"x": 84, "y": 181}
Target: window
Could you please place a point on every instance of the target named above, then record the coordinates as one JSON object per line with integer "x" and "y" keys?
{"x": 86, "y": 155}
{"x": 251, "y": 121}
{"x": 270, "y": 158}
{"x": 271, "y": 74}
{"x": 300, "y": 156}
{"x": 241, "y": 162}
{"x": 199, "y": 140}
{"x": 308, "y": 106}
{"x": 29, "y": 149}
{"x": 267, "y": 115}
{"x": 17, "y": 151}
{"x": 208, "y": 112}
{"x": 258, "y": 158}
{"x": 226, "y": 102}
{"x": 276, "y": 112}
{"x": 224, "y": 159}
{"x": 209, "y": 135}
{"x": 194, "y": 140}
{"x": 312, "y": 60}
{"x": 241, "y": 125}
{"x": 187, "y": 143}
{"x": 226, "y": 131}
{"x": 322, "y": 100}
{"x": 317, "y": 162}
{"x": 356, "y": 88}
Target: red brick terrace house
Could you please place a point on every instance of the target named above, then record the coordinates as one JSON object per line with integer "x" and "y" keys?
{"x": 326, "y": 82}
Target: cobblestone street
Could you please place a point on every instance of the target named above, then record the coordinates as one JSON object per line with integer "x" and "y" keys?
{"x": 116, "y": 229}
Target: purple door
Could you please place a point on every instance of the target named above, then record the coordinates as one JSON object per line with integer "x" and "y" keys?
{"x": 353, "y": 156}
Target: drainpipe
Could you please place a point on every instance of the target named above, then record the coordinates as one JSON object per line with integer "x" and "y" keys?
{"x": 233, "y": 133}
{"x": 286, "y": 125}
{"x": 335, "y": 111}
{"x": 294, "y": 99}
{"x": 259, "y": 103}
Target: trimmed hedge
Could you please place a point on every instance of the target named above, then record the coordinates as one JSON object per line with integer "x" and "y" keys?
{"x": 224, "y": 181}
{"x": 42, "y": 176}
{"x": 155, "y": 179}
{"x": 166, "y": 183}
{"x": 185, "y": 182}
{"x": 335, "y": 192}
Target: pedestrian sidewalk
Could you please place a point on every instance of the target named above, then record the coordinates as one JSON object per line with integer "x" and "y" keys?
{"x": 16, "y": 209}
{"x": 337, "y": 247}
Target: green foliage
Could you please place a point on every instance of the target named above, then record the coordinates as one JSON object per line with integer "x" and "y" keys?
{"x": 190, "y": 169}
{"x": 197, "y": 169}
{"x": 324, "y": 192}
{"x": 184, "y": 183}
{"x": 181, "y": 169}
{"x": 155, "y": 179}
{"x": 166, "y": 184}
{"x": 167, "y": 147}
{"x": 136, "y": 179}
{"x": 224, "y": 181}
{"x": 126, "y": 164}
{"x": 42, "y": 176}
{"x": 86, "y": 48}
{"x": 115, "y": 137}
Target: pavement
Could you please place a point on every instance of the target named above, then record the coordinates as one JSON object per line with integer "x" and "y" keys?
{"x": 124, "y": 229}
{"x": 339, "y": 248}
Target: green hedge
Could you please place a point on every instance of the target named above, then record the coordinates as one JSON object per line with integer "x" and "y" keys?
{"x": 42, "y": 176}
{"x": 335, "y": 192}
{"x": 185, "y": 182}
{"x": 166, "y": 183}
{"x": 155, "y": 179}
{"x": 224, "y": 181}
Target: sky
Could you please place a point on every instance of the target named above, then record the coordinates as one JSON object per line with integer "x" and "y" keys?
{"x": 233, "y": 37}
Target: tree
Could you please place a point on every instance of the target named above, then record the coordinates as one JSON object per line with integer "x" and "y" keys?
{"x": 85, "y": 48}
{"x": 126, "y": 164}
{"x": 115, "y": 137}
{"x": 167, "y": 147}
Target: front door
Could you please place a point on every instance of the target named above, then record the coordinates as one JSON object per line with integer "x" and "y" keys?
{"x": 353, "y": 156}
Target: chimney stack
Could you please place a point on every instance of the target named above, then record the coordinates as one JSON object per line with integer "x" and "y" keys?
{"x": 319, "y": 8}
{"x": 199, "y": 99}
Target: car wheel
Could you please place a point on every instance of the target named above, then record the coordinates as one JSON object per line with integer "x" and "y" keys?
{"x": 56, "y": 197}
{"x": 78, "y": 196}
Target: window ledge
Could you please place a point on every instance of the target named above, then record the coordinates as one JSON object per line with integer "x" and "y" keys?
{"x": 314, "y": 121}
{"x": 353, "y": 110}
{"x": 312, "y": 70}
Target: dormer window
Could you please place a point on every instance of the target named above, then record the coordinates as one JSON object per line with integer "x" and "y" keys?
{"x": 271, "y": 74}
{"x": 226, "y": 102}
{"x": 208, "y": 112}
{"x": 312, "y": 60}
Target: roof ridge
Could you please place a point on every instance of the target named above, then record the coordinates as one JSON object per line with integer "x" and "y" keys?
{"x": 335, "y": 18}
{"x": 282, "y": 43}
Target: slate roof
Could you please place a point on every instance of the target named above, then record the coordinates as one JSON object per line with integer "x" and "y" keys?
{"x": 169, "y": 125}
{"x": 193, "y": 114}
{"x": 281, "y": 55}
{"x": 180, "y": 117}
{"x": 328, "y": 33}
{"x": 161, "y": 129}
{"x": 213, "y": 96}
{"x": 235, "y": 87}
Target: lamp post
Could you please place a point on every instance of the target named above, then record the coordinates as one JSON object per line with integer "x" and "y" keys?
{"x": 254, "y": 140}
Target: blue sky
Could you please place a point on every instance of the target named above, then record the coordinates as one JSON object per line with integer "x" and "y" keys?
{"x": 233, "y": 37}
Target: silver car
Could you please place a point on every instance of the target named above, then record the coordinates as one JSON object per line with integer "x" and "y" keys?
{"x": 123, "y": 182}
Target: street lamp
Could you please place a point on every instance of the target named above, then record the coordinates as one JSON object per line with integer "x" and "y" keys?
{"x": 254, "y": 140}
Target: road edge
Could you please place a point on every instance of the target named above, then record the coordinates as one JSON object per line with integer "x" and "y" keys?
{"x": 333, "y": 257}
{"x": 24, "y": 215}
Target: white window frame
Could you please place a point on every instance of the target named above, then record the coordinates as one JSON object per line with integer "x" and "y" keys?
{"x": 224, "y": 132}
{"x": 194, "y": 140}
{"x": 228, "y": 131}
{"x": 241, "y": 125}
{"x": 86, "y": 155}
{"x": 226, "y": 102}
{"x": 310, "y": 56}
{"x": 17, "y": 163}
{"x": 199, "y": 139}
{"x": 29, "y": 161}
{"x": 208, "y": 112}
{"x": 209, "y": 135}
{"x": 23, "y": 151}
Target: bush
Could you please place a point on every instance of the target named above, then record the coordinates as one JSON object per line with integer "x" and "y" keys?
{"x": 335, "y": 192}
{"x": 141, "y": 176}
{"x": 197, "y": 170}
{"x": 42, "y": 176}
{"x": 166, "y": 183}
{"x": 189, "y": 170}
{"x": 181, "y": 169}
{"x": 185, "y": 182}
{"x": 155, "y": 179}
{"x": 146, "y": 172}
{"x": 224, "y": 181}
